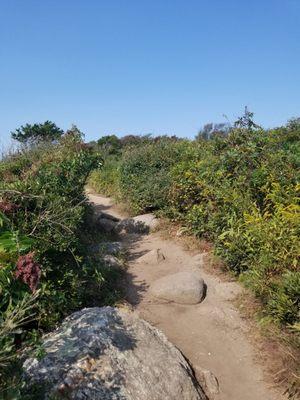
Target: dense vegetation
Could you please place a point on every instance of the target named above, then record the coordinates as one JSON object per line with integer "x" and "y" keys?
{"x": 236, "y": 187}
{"x": 239, "y": 190}
{"x": 45, "y": 270}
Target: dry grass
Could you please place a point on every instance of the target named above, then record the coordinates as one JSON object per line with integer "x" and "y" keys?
{"x": 277, "y": 348}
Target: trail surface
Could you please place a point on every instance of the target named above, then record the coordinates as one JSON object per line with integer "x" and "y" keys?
{"x": 212, "y": 335}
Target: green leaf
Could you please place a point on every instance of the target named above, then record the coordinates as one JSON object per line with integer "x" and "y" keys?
{"x": 10, "y": 242}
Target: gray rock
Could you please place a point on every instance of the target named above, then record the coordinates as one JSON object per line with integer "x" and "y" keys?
{"x": 142, "y": 224}
{"x": 107, "y": 225}
{"x": 112, "y": 261}
{"x": 148, "y": 220}
{"x": 113, "y": 248}
{"x": 110, "y": 354}
{"x": 182, "y": 287}
{"x": 108, "y": 216}
{"x": 154, "y": 256}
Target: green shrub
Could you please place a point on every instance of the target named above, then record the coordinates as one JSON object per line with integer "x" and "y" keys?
{"x": 45, "y": 269}
{"x": 240, "y": 191}
{"x": 284, "y": 302}
{"x": 140, "y": 176}
{"x": 106, "y": 180}
{"x": 144, "y": 174}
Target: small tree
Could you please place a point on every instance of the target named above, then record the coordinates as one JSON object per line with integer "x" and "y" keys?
{"x": 75, "y": 132}
{"x": 211, "y": 130}
{"x": 293, "y": 124}
{"x": 109, "y": 144}
{"x": 30, "y": 135}
{"x": 246, "y": 121}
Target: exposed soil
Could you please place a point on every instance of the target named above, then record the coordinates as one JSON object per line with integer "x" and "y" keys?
{"x": 212, "y": 335}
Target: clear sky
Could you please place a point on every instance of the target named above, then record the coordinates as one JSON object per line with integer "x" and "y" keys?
{"x": 155, "y": 66}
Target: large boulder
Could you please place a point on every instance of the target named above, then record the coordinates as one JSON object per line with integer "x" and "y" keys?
{"x": 182, "y": 287}
{"x": 141, "y": 224}
{"x": 148, "y": 220}
{"x": 110, "y": 354}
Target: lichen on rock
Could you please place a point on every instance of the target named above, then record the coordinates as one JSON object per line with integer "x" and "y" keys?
{"x": 108, "y": 353}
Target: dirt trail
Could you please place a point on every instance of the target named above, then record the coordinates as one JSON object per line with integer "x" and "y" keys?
{"x": 212, "y": 335}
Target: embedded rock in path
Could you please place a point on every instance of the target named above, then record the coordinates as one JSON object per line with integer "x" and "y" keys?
{"x": 148, "y": 220}
{"x": 154, "y": 256}
{"x": 108, "y": 216}
{"x": 110, "y": 354}
{"x": 140, "y": 224}
{"x": 182, "y": 287}
{"x": 107, "y": 225}
{"x": 112, "y": 247}
{"x": 101, "y": 248}
{"x": 111, "y": 261}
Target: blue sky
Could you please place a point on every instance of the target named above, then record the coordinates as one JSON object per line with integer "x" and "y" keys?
{"x": 155, "y": 66}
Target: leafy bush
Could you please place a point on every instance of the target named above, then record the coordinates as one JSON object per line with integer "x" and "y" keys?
{"x": 140, "y": 177}
{"x": 45, "y": 270}
{"x": 106, "y": 179}
{"x": 144, "y": 174}
{"x": 241, "y": 191}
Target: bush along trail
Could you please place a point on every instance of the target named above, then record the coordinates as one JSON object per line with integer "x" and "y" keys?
{"x": 46, "y": 269}
{"x": 239, "y": 191}
{"x": 236, "y": 191}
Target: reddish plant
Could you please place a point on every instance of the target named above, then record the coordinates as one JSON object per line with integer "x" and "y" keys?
{"x": 28, "y": 271}
{"x": 7, "y": 207}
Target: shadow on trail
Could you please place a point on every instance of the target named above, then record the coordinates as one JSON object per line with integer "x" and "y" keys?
{"x": 129, "y": 232}
{"x": 99, "y": 208}
{"x": 133, "y": 288}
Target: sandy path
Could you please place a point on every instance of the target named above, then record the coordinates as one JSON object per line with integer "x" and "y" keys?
{"x": 212, "y": 335}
